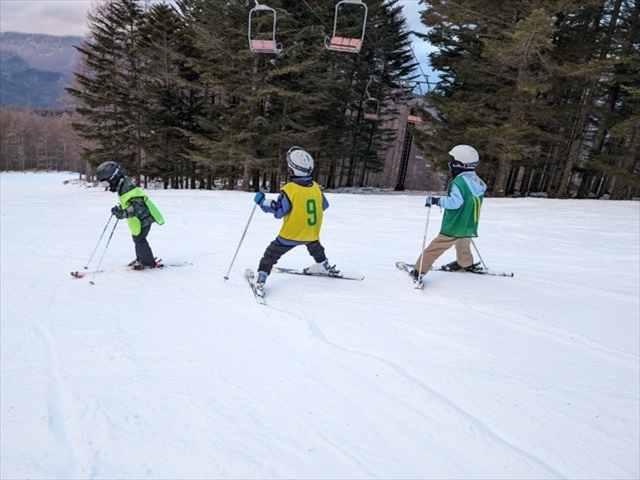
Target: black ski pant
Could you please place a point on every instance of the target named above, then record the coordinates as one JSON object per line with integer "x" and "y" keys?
{"x": 144, "y": 255}
{"x": 276, "y": 249}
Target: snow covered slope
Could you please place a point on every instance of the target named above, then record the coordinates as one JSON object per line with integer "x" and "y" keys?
{"x": 176, "y": 373}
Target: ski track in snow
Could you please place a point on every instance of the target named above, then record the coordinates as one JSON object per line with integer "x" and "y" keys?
{"x": 399, "y": 379}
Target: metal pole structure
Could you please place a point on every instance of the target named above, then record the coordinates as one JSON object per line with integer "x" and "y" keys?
{"x": 105, "y": 251}
{"x": 101, "y": 235}
{"x": 226, "y": 277}
{"x": 479, "y": 256}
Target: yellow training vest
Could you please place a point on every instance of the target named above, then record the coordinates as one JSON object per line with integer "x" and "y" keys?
{"x": 303, "y": 222}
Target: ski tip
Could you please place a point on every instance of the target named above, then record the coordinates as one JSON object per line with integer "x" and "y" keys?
{"x": 77, "y": 274}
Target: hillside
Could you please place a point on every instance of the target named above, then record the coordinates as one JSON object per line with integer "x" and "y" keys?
{"x": 34, "y": 68}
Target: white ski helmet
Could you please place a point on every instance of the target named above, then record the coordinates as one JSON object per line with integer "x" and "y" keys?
{"x": 300, "y": 163}
{"x": 464, "y": 157}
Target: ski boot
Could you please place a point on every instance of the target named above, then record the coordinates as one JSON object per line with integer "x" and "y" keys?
{"x": 323, "y": 268}
{"x": 259, "y": 283}
{"x": 141, "y": 266}
{"x": 475, "y": 268}
{"x": 416, "y": 275}
{"x": 451, "y": 267}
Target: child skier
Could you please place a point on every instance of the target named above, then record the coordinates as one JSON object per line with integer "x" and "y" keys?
{"x": 462, "y": 213}
{"x": 137, "y": 208}
{"x": 300, "y": 205}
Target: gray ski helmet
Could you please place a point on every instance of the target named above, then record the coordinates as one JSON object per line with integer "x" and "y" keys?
{"x": 300, "y": 163}
{"x": 108, "y": 171}
{"x": 464, "y": 157}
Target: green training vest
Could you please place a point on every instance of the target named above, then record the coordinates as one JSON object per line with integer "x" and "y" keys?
{"x": 462, "y": 222}
{"x": 134, "y": 222}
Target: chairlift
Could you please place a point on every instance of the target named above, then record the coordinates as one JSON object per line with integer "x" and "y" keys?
{"x": 341, "y": 43}
{"x": 412, "y": 118}
{"x": 371, "y": 105}
{"x": 371, "y": 108}
{"x": 263, "y": 45}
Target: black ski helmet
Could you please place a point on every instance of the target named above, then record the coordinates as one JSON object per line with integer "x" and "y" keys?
{"x": 109, "y": 172}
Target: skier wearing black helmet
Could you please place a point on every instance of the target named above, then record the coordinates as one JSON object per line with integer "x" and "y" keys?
{"x": 300, "y": 205}
{"x": 462, "y": 213}
{"x": 137, "y": 208}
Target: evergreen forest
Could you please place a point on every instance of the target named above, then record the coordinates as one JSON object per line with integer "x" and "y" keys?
{"x": 548, "y": 91}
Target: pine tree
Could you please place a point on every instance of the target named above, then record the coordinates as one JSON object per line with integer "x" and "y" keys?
{"x": 535, "y": 86}
{"x": 108, "y": 86}
{"x": 172, "y": 105}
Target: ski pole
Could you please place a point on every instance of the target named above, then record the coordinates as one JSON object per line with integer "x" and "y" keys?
{"x": 479, "y": 256}
{"x": 101, "y": 235}
{"x": 424, "y": 239}
{"x": 226, "y": 277}
{"x": 105, "y": 251}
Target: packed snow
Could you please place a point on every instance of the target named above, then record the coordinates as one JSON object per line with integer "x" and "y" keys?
{"x": 177, "y": 373}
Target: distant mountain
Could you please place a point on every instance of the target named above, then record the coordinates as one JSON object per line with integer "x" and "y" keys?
{"x": 34, "y": 68}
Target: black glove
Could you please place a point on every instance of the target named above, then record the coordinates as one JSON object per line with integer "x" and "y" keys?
{"x": 431, "y": 201}
{"x": 118, "y": 212}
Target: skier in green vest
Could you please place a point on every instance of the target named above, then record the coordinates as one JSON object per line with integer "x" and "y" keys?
{"x": 137, "y": 208}
{"x": 462, "y": 213}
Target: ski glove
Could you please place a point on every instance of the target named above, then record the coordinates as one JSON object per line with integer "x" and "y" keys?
{"x": 259, "y": 198}
{"x": 118, "y": 212}
{"x": 431, "y": 201}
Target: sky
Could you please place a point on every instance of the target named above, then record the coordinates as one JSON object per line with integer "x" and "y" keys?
{"x": 68, "y": 17}
{"x": 177, "y": 373}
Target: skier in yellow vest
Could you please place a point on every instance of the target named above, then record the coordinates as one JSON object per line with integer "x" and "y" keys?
{"x": 300, "y": 205}
{"x": 137, "y": 208}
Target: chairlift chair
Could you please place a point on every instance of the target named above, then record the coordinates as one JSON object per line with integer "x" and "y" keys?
{"x": 371, "y": 108}
{"x": 340, "y": 43}
{"x": 413, "y": 118}
{"x": 371, "y": 105}
{"x": 263, "y": 45}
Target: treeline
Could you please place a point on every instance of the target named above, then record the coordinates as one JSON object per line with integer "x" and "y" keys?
{"x": 39, "y": 140}
{"x": 174, "y": 93}
{"x": 549, "y": 91}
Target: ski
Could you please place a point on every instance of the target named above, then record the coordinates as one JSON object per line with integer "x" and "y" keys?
{"x": 81, "y": 274}
{"x": 259, "y": 294}
{"x": 406, "y": 267}
{"x": 294, "y": 271}
{"x": 477, "y": 271}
